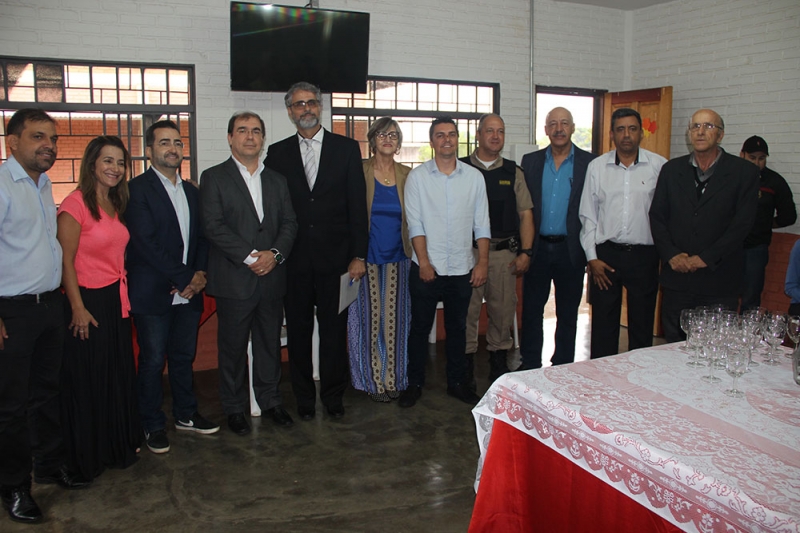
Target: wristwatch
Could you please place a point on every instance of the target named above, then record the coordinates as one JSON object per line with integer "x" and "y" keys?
{"x": 278, "y": 256}
{"x": 527, "y": 251}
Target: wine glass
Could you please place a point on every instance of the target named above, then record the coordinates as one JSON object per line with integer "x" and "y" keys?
{"x": 735, "y": 366}
{"x": 714, "y": 350}
{"x": 752, "y": 322}
{"x": 793, "y": 330}
{"x": 686, "y": 317}
{"x": 696, "y": 339}
{"x": 774, "y": 330}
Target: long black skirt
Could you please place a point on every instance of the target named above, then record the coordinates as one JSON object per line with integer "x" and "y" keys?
{"x": 99, "y": 410}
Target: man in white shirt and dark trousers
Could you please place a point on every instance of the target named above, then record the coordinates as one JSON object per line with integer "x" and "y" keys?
{"x": 616, "y": 237}
{"x": 445, "y": 202}
{"x": 250, "y": 225}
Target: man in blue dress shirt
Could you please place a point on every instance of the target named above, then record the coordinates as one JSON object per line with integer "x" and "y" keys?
{"x": 31, "y": 318}
{"x": 445, "y": 202}
{"x": 555, "y": 179}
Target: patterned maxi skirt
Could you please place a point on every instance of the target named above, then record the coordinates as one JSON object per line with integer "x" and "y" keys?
{"x": 378, "y": 322}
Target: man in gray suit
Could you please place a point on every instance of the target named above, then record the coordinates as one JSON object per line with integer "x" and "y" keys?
{"x": 249, "y": 221}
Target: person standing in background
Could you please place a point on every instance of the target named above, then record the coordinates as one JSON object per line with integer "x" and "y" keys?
{"x": 776, "y": 209}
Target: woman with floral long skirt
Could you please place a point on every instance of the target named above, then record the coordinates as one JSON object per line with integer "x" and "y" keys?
{"x": 379, "y": 319}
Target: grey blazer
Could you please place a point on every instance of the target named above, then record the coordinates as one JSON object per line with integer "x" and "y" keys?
{"x": 231, "y": 226}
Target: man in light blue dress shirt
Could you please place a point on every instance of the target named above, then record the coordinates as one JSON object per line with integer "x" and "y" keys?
{"x": 31, "y": 318}
{"x": 446, "y": 204}
{"x": 555, "y": 180}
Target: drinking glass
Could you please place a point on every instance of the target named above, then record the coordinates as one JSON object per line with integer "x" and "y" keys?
{"x": 752, "y": 322}
{"x": 714, "y": 350}
{"x": 686, "y": 316}
{"x": 735, "y": 366}
{"x": 793, "y": 330}
{"x": 774, "y": 331}
{"x": 696, "y": 339}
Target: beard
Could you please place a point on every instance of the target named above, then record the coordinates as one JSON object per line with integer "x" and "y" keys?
{"x": 307, "y": 121}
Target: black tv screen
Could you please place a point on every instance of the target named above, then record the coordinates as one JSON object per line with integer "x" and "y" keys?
{"x": 274, "y": 46}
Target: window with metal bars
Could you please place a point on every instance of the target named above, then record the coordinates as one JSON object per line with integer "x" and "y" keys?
{"x": 414, "y": 103}
{"x": 93, "y": 98}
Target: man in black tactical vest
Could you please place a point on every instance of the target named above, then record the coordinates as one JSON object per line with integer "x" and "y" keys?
{"x": 510, "y": 247}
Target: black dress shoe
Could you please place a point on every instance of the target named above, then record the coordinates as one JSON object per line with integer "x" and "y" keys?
{"x": 20, "y": 505}
{"x": 410, "y": 396}
{"x": 335, "y": 411}
{"x": 63, "y": 478}
{"x": 306, "y": 413}
{"x": 238, "y": 424}
{"x": 280, "y": 416}
{"x": 463, "y": 393}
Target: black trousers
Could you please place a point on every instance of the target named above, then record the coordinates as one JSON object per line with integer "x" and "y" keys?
{"x": 636, "y": 269}
{"x": 455, "y": 293}
{"x": 262, "y": 316}
{"x": 307, "y": 289}
{"x": 675, "y": 301}
{"x": 30, "y": 367}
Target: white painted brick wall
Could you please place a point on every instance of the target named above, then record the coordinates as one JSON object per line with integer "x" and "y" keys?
{"x": 474, "y": 40}
{"x": 738, "y": 57}
{"x": 578, "y": 46}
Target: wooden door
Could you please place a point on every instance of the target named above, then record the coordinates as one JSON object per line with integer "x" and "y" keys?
{"x": 655, "y": 107}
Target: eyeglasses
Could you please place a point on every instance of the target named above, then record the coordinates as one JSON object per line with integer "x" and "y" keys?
{"x": 166, "y": 143}
{"x": 695, "y": 126}
{"x": 302, "y": 104}
{"x": 391, "y": 135}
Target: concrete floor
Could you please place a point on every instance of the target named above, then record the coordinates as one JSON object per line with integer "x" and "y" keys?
{"x": 380, "y": 468}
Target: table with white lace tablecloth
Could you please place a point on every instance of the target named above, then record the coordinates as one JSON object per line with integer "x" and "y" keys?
{"x": 646, "y": 424}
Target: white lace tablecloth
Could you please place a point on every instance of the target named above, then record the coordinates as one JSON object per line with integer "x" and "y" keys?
{"x": 646, "y": 424}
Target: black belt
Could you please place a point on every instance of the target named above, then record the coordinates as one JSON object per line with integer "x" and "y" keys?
{"x": 34, "y": 298}
{"x": 553, "y": 238}
{"x": 511, "y": 243}
{"x": 626, "y": 247}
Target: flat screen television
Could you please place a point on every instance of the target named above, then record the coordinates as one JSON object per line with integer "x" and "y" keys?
{"x": 274, "y": 46}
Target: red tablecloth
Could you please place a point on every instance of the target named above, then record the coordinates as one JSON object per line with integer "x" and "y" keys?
{"x": 527, "y": 487}
{"x": 606, "y": 445}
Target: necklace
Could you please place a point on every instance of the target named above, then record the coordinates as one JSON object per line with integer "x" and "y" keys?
{"x": 387, "y": 181}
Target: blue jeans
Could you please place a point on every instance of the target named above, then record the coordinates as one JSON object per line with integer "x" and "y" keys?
{"x": 755, "y": 265}
{"x": 170, "y": 338}
{"x": 455, "y": 293}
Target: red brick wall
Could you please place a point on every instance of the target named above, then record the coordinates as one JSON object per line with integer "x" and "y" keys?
{"x": 773, "y": 298}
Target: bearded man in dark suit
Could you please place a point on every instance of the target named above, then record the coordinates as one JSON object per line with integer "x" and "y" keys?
{"x": 326, "y": 183}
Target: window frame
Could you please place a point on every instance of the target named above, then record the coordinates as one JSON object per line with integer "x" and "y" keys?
{"x": 373, "y": 113}
{"x": 597, "y": 108}
{"x": 150, "y": 112}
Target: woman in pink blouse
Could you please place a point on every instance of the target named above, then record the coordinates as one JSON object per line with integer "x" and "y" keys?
{"x": 100, "y": 419}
